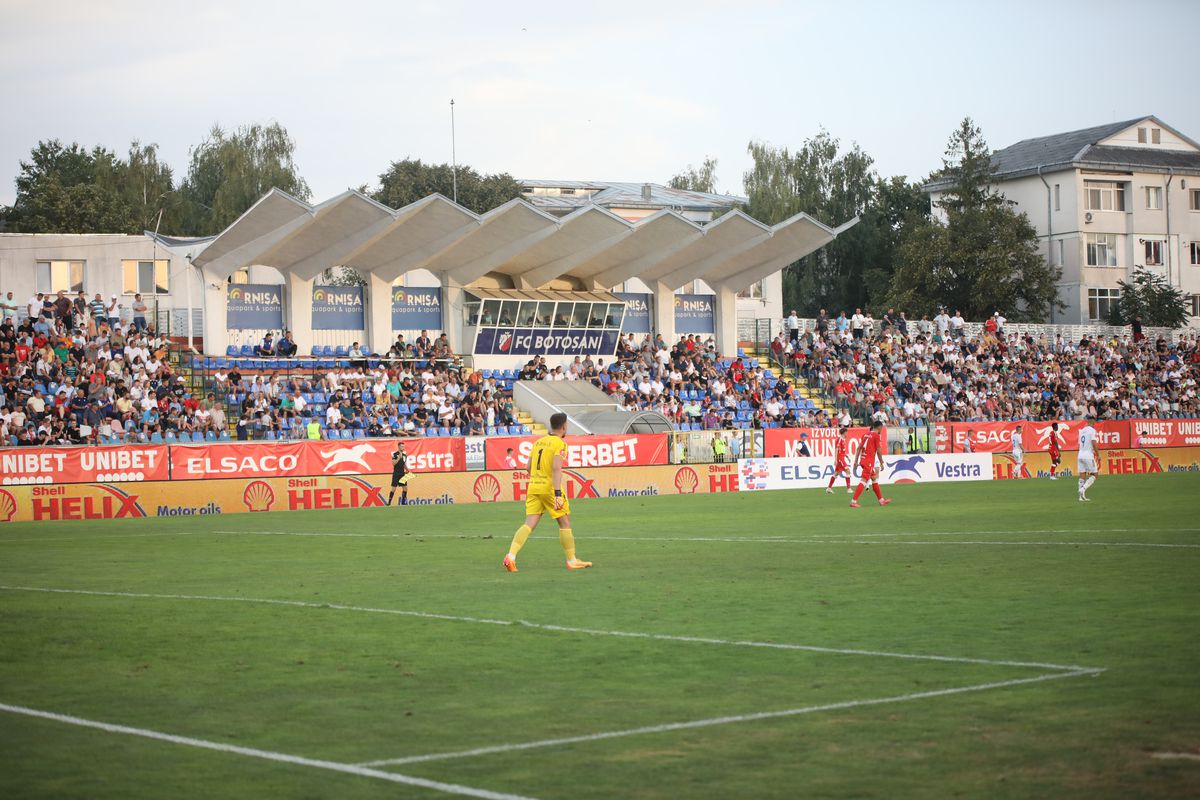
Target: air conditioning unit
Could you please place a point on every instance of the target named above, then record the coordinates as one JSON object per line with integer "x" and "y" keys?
{"x": 1087, "y": 218}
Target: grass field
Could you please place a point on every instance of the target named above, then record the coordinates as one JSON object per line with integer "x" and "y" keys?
{"x": 996, "y": 640}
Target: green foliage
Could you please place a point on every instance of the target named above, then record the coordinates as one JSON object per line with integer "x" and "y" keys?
{"x": 832, "y": 187}
{"x": 693, "y": 179}
{"x": 230, "y": 171}
{"x": 68, "y": 189}
{"x": 1152, "y": 298}
{"x": 410, "y": 180}
{"x": 984, "y": 257}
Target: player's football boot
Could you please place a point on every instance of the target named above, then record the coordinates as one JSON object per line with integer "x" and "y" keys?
{"x": 883, "y": 501}
{"x": 510, "y": 563}
{"x": 577, "y": 564}
{"x": 854, "y": 504}
{"x": 1083, "y": 498}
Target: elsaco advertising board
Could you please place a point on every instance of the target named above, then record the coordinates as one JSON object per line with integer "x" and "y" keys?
{"x": 83, "y": 501}
{"x": 756, "y": 474}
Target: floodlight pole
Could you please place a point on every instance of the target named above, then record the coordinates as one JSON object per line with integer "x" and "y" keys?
{"x": 453, "y": 155}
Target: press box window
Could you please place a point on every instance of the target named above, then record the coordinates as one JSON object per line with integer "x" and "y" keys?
{"x": 145, "y": 277}
{"x": 60, "y": 276}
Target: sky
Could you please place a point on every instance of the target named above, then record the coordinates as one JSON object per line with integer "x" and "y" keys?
{"x": 583, "y": 90}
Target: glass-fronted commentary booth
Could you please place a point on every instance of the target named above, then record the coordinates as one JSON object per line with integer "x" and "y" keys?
{"x": 512, "y": 322}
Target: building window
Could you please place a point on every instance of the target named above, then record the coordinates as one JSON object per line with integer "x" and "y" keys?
{"x": 1057, "y": 197}
{"x": 753, "y": 292}
{"x": 1104, "y": 195}
{"x": 1154, "y": 252}
{"x": 1101, "y": 302}
{"x": 1194, "y": 249}
{"x": 1102, "y": 250}
{"x": 1141, "y": 135}
{"x": 145, "y": 277}
{"x": 1059, "y": 258}
{"x": 1195, "y": 199}
{"x": 60, "y": 276}
{"x": 1154, "y": 198}
{"x": 1194, "y": 304}
{"x": 240, "y": 276}
{"x": 1156, "y": 136}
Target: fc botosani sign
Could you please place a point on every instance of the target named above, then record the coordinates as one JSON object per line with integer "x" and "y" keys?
{"x": 801, "y": 473}
{"x": 545, "y": 341}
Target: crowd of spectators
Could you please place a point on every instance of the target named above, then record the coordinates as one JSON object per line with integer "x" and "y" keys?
{"x": 689, "y": 383}
{"x": 374, "y": 398}
{"x": 936, "y": 371}
{"x": 73, "y": 371}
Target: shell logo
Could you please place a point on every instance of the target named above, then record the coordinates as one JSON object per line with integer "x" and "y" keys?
{"x": 8, "y": 506}
{"x": 319, "y": 296}
{"x": 235, "y": 294}
{"x": 259, "y": 496}
{"x": 686, "y": 481}
{"x": 486, "y": 488}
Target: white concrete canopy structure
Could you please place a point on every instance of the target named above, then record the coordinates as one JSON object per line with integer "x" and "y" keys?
{"x": 515, "y": 246}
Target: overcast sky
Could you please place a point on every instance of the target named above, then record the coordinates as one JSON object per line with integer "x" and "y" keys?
{"x": 581, "y": 90}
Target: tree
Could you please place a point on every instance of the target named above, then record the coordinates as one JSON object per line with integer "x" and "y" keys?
{"x": 832, "y": 187}
{"x": 410, "y": 180}
{"x": 984, "y": 257}
{"x": 1150, "y": 297}
{"x": 692, "y": 179}
{"x": 230, "y": 171}
{"x": 68, "y": 189}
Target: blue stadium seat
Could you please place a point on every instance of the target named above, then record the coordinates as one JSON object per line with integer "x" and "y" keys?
{"x": 210, "y": 436}
{"x": 443, "y": 430}
{"x": 224, "y": 437}
{"x": 502, "y": 430}
{"x": 247, "y": 350}
{"x": 341, "y": 351}
{"x": 155, "y": 438}
{"x": 357, "y": 433}
{"x": 491, "y": 430}
{"x": 233, "y": 350}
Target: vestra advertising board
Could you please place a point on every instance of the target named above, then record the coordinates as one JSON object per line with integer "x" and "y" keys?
{"x": 640, "y": 450}
{"x": 91, "y": 501}
{"x": 996, "y": 437}
{"x": 46, "y": 465}
{"x": 757, "y": 474}
{"x": 308, "y": 458}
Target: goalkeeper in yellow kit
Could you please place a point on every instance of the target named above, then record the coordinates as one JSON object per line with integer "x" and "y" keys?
{"x": 546, "y": 495}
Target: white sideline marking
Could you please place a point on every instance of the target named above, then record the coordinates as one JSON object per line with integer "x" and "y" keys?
{"x": 1064, "y": 544}
{"x": 1180, "y": 756}
{"x": 268, "y": 755}
{"x": 704, "y": 723}
{"x": 1074, "y": 668}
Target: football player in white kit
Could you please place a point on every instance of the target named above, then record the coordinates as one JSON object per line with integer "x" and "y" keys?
{"x": 1018, "y": 454}
{"x": 1087, "y": 458}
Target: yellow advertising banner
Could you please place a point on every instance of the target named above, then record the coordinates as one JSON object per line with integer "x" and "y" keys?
{"x": 1127, "y": 461}
{"x": 80, "y": 501}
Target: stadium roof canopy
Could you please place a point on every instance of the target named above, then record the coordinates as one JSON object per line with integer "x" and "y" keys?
{"x": 588, "y": 249}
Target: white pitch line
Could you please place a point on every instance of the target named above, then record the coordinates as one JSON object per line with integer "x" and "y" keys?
{"x": 705, "y": 723}
{"x": 267, "y": 755}
{"x": 1038, "y": 544}
{"x": 565, "y": 629}
{"x": 1179, "y": 756}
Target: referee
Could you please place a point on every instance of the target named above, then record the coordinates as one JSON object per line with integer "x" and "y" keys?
{"x": 400, "y": 474}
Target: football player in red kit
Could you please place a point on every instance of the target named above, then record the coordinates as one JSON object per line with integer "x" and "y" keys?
{"x": 873, "y": 446}
{"x": 1055, "y": 452}
{"x": 841, "y": 460}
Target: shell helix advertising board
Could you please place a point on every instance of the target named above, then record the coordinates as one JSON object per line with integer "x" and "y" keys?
{"x": 188, "y": 498}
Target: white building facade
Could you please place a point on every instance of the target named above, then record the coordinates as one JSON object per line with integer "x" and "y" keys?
{"x": 1107, "y": 201}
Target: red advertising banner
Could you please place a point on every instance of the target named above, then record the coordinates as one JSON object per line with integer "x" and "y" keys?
{"x": 996, "y": 437}
{"x": 1164, "y": 432}
{"x": 634, "y": 450}
{"x": 44, "y": 465}
{"x": 312, "y": 458}
{"x": 822, "y": 442}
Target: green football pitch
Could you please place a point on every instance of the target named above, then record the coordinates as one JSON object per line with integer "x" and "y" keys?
{"x": 997, "y": 640}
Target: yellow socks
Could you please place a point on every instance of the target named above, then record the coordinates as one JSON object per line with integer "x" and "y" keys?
{"x": 567, "y": 540}
{"x": 519, "y": 540}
